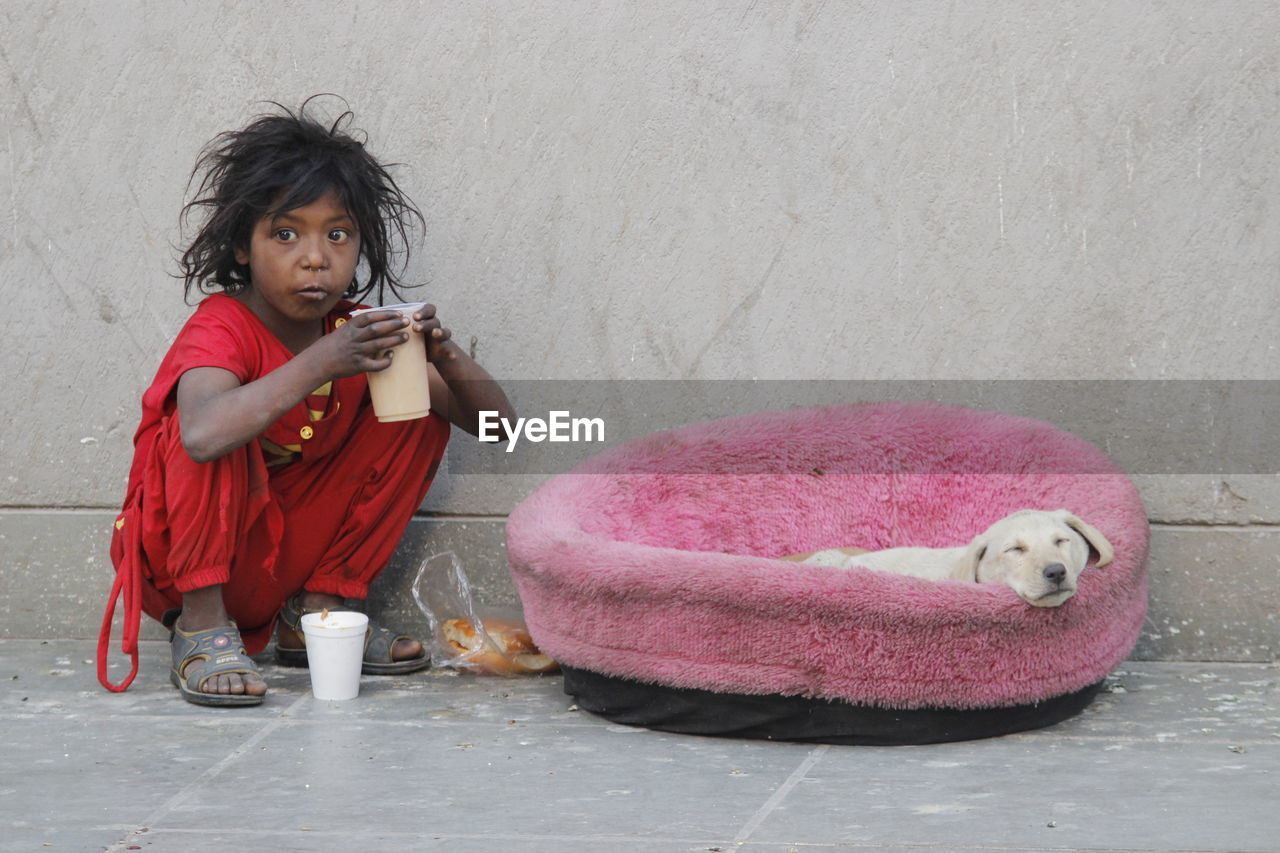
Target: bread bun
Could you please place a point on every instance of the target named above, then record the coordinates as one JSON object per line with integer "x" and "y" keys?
{"x": 515, "y": 653}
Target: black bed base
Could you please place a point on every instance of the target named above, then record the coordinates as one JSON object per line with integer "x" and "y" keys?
{"x": 805, "y": 720}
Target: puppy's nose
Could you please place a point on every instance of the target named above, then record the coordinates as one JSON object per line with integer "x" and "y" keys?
{"x": 1055, "y": 573}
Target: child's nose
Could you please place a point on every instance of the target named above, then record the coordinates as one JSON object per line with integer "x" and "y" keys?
{"x": 314, "y": 256}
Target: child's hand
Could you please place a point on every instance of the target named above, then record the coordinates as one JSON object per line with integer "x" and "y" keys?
{"x": 426, "y": 321}
{"x": 360, "y": 345}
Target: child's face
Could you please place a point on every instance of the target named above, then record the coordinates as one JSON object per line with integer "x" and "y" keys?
{"x": 300, "y": 263}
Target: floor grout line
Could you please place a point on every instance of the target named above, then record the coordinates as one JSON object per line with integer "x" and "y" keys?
{"x": 504, "y": 725}
{"x": 177, "y": 799}
{"x": 224, "y": 832}
{"x": 781, "y": 794}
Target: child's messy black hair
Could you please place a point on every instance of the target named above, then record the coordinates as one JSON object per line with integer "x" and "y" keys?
{"x": 283, "y": 162}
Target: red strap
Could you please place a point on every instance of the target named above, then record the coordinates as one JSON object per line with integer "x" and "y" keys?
{"x": 129, "y": 582}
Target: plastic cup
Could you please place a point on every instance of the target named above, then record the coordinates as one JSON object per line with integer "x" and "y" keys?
{"x": 335, "y": 652}
{"x": 400, "y": 392}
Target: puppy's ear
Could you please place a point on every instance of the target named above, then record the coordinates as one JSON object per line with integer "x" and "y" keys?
{"x": 966, "y": 568}
{"x": 1091, "y": 535}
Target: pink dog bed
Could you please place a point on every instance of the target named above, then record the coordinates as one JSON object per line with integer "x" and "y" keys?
{"x": 650, "y": 572}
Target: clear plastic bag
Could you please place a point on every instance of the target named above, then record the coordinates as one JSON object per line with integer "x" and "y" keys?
{"x": 464, "y": 638}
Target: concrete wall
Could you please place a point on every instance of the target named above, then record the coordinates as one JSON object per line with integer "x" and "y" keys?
{"x": 669, "y": 190}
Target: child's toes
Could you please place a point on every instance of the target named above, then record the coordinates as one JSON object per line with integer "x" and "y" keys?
{"x": 216, "y": 684}
{"x": 406, "y": 648}
{"x": 234, "y": 684}
{"x": 250, "y": 685}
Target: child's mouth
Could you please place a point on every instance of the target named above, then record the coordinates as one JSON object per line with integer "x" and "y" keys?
{"x": 314, "y": 292}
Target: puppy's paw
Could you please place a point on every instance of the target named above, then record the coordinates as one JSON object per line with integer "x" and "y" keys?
{"x": 836, "y": 558}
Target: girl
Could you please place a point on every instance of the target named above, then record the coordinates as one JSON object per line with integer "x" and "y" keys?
{"x": 262, "y": 486}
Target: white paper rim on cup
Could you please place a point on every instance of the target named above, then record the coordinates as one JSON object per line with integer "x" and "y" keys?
{"x": 402, "y": 307}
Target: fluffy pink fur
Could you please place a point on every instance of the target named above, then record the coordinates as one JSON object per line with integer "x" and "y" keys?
{"x": 656, "y": 560}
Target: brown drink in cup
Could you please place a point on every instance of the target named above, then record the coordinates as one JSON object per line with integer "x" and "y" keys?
{"x": 400, "y": 392}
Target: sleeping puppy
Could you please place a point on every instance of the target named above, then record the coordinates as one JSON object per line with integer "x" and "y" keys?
{"x": 1040, "y": 554}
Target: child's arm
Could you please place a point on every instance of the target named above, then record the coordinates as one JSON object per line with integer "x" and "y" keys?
{"x": 460, "y": 387}
{"x": 217, "y": 414}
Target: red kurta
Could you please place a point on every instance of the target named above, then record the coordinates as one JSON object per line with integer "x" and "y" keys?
{"x": 326, "y": 521}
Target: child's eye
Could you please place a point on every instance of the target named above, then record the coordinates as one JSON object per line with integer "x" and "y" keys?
{"x": 286, "y": 235}
{"x": 338, "y": 235}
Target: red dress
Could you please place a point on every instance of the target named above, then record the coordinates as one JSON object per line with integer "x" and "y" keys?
{"x": 322, "y": 509}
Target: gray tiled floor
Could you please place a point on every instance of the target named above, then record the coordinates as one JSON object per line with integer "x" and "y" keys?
{"x": 1172, "y": 757}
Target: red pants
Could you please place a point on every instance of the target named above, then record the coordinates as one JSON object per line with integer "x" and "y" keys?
{"x": 326, "y": 525}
